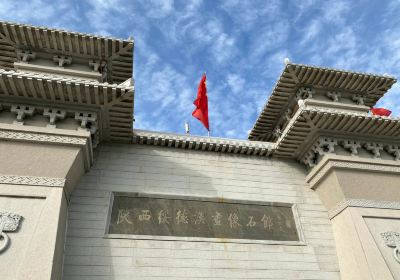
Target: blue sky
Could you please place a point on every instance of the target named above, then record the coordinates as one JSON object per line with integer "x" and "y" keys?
{"x": 240, "y": 44}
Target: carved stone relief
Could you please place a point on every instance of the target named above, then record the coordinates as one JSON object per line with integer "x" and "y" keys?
{"x": 324, "y": 145}
{"x": 351, "y": 145}
{"x": 374, "y": 148}
{"x": 304, "y": 93}
{"x": 8, "y": 222}
{"x": 393, "y": 150}
{"x": 392, "y": 239}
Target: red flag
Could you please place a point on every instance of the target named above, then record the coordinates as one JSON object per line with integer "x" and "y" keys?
{"x": 201, "y": 103}
{"x": 381, "y": 112}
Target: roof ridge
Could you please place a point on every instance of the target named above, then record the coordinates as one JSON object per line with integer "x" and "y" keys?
{"x": 140, "y": 132}
{"x": 67, "y": 31}
{"x": 343, "y": 70}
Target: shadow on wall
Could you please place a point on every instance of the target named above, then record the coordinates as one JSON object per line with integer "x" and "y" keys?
{"x": 132, "y": 169}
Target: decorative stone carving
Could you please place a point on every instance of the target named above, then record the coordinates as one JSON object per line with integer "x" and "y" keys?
{"x": 374, "y": 148}
{"x": 22, "y": 111}
{"x": 277, "y": 132}
{"x": 32, "y": 180}
{"x": 363, "y": 203}
{"x": 351, "y": 145}
{"x": 97, "y": 65}
{"x": 287, "y": 115}
{"x": 309, "y": 159}
{"x": 8, "y": 222}
{"x": 304, "y": 93}
{"x": 88, "y": 120}
{"x": 334, "y": 95}
{"x": 392, "y": 239}
{"x": 358, "y": 98}
{"x": 25, "y": 55}
{"x": 54, "y": 115}
{"x": 41, "y": 138}
{"x": 62, "y": 60}
{"x": 321, "y": 147}
{"x": 394, "y": 150}
{"x": 325, "y": 145}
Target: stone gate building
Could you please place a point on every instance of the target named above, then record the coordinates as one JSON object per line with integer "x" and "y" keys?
{"x": 313, "y": 194}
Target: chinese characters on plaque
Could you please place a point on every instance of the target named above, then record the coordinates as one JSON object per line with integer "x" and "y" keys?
{"x": 136, "y": 215}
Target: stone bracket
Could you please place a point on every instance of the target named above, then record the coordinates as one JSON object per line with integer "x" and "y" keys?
{"x": 334, "y": 95}
{"x": 394, "y": 150}
{"x": 22, "y": 111}
{"x": 374, "y": 148}
{"x": 97, "y": 65}
{"x": 351, "y": 145}
{"x": 25, "y": 55}
{"x": 54, "y": 115}
{"x": 358, "y": 98}
{"x": 304, "y": 93}
{"x": 62, "y": 60}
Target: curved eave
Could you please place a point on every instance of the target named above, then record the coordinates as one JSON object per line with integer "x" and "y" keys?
{"x": 191, "y": 142}
{"x": 117, "y": 100}
{"x": 118, "y": 53}
{"x": 337, "y": 124}
{"x": 296, "y": 75}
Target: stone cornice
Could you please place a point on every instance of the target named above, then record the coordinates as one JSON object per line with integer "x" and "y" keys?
{"x": 32, "y": 181}
{"x": 364, "y": 203}
{"x": 114, "y": 101}
{"x": 311, "y": 121}
{"x": 192, "y": 142}
{"x": 42, "y": 135}
{"x": 331, "y": 161}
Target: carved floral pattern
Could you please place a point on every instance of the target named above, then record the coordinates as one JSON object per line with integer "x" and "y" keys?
{"x": 392, "y": 239}
{"x": 8, "y": 222}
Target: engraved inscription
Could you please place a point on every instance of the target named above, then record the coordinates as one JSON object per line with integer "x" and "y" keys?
{"x": 196, "y": 217}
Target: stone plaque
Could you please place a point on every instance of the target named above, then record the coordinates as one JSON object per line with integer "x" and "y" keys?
{"x": 136, "y": 214}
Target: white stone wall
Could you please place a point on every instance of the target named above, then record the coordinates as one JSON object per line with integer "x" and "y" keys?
{"x": 137, "y": 168}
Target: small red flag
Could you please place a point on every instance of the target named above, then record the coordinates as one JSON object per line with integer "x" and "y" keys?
{"x": 201, "y": 103}
{"x": 381, "y": 112}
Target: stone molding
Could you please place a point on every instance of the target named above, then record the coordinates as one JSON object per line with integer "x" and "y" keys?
{"x": 346, "y": 162}
{"x": 32, "y": 181}
{"x": 85, "y": 120}
{"x": 326, "y": 145}
{"x": 363, "y": 203}
{"x": 43, "y": 135}
{"x": 41, "y": 138}
{"x": 214, "y": 144}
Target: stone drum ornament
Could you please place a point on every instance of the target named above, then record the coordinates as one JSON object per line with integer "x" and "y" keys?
{"x": 8, "y": 222}
{"x": 392, "y": 239}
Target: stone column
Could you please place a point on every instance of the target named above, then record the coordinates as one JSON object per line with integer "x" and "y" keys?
{"x": 362, "y": 196}
{"x": 39, "y": 167}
